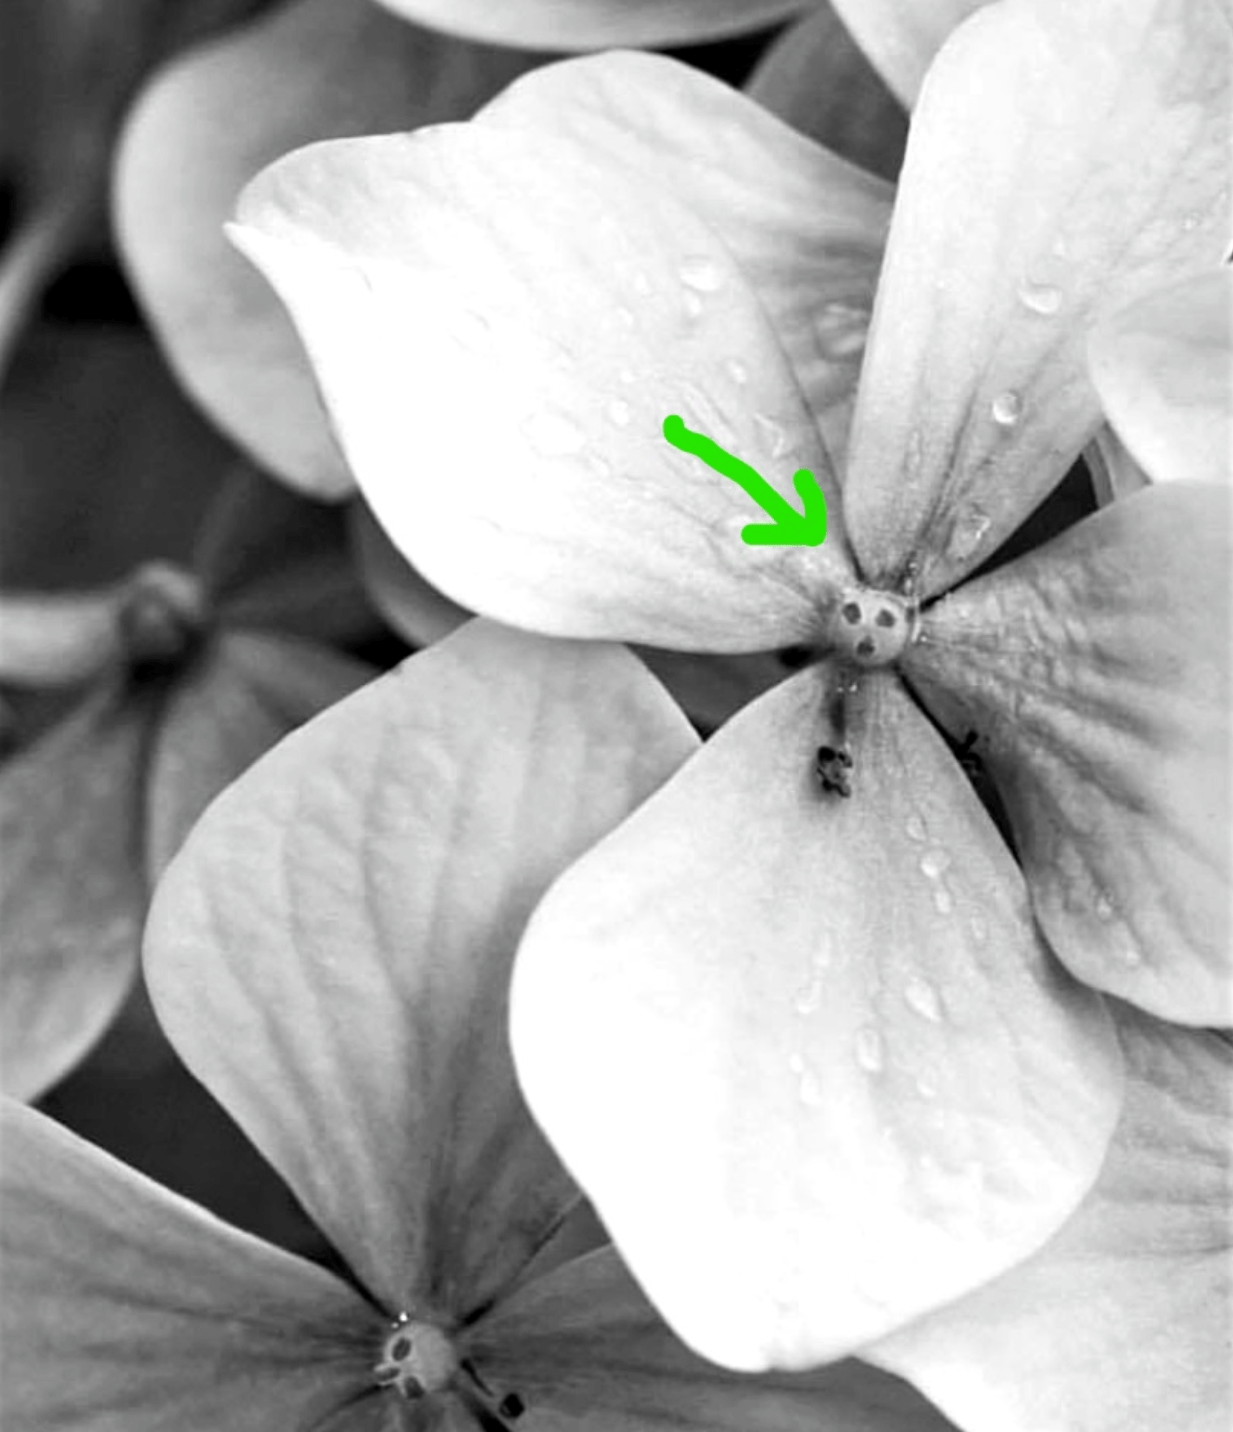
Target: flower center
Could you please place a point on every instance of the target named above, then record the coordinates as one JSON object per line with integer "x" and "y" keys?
{"x": 161, "y": 615}
{"x": 416, "y": 1359}
{"x": 871, "y": 628}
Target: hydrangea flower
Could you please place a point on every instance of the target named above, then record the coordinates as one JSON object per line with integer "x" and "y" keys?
{"x": 861, "y": 1073}
{"x": 330, "y": 954}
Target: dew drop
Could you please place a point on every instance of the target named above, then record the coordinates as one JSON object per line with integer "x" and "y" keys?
{"x": 693, "y": 304}
{"x": 1104, "y": 907}
{"x": 979, "y": 928}
{"x": 915, "y": 828}
{"x": 969, "y": 531}
{"x": 808, "y": 997}
{"x": 1007, "y": 408}
{"x": 943, "y": 900}
{"x": 1042, "y": 298}
{"x": 619, "y": 412}
{"x": 870, "y": 1052}
{"x": 627, "y": 376}
{"x": 737, "y": 371}
{"x": 701, "y": 273}
{"x": 1191, "y": 221}
{"x": 772, "y": 434}
{"x": 553, "y": 435}
{"x": 933, "y": 863}
{"x": 921, "y": 997}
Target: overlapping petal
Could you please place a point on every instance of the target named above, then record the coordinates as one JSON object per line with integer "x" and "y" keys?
{"x": 1063, "y": 159}
{"x": 129, "y": 1309}
{"x": 529, "y": 269}
{"x": 596, "y": 24}
{"x": 1121, "y": 1323}
{"x": 901, "y": 37}
{"x": 586, "y": 1344}
{"x": 206, "y": 124}
{"x": 826, "y": 1025}
{"x": 1163, "y": 367}
{"x": 329, "y": 951}
{"x": 1096, "y": 672}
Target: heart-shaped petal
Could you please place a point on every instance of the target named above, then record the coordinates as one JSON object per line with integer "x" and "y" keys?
{"x": 806, "y": 228}
{"x": 311, "y": 69}
{"x": 329, "y": 953}
{"x": 484, "y": 270}
{"x": 1096, "y": 672}
{"x": 1163, "y": 367}
{"x": 128, "y": 1309}
{"x": 596, "y": 24}
{"x": 1063, "y": 159}
{"x": 1120, "y": 1323}
{"x": 825, "y": 1024}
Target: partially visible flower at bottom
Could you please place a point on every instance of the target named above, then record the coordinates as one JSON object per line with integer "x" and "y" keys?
{"x": 330, "y": 953}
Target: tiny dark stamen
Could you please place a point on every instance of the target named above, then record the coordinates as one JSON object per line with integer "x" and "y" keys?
{"x": 511, "y": 1406}
{"x": 400, "y": 1347}
{"x": 866, "y": 646}
{"x": 832, "y": 765}
{"x": 851, "y": 612}
{"x": 885, "y": 618}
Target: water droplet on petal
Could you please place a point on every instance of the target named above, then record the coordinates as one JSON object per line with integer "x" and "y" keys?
{"x": 915, "y": 828}
{"x": 969, "y": 531}
{"x": 943, "y": 900}
{"x": 627, "y": 375}
{"x": 693, "y": 304}
{"x": 1104, "y": 907}
{"x": 979, "y": 928}
{"x": 808, "y": 997}
{"x": 772, "y": 434}
{"x": 796, "y": 1063}
{"x": 737, "y": 371}
{"x": 870, "y": 1051}
{"x": 926, "y": 1088}
{"x": 933, "y": 863}
{"x": 1190, "y": 222}
{"x": 1007, "y": 409}
{"x": 809, "y": 1090}
{"x": 620, "y": 412}
{"x": 553, "y": 435}
{"x": 701, "y": 273}
{"x": 921, "y": 997}
{"x": 1042, "y": 298}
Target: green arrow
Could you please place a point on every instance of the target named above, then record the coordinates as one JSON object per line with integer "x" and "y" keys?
{"x": 788, "y": 527}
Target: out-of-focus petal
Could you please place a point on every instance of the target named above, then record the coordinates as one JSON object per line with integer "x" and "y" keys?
{"x": 1096, "y": 673}
{"x": 312, "y": 69}
{"x": 128, "y": 1309}
{"x": 585, "y": 1347}
{"x": 499, "y": 350}
{"x": 1063, "y": 159}
{"x": 1163, "y": 367}
{"x": 71, "y": 893}
{"x": 901, "y": 37}
{"x": 329, "y": 952}
{"x": 826, "y": 1028}
{"x": 242, "y": 698}
{"x": 1121, "y": 1323}
{"x": 805, "y": 227}
{"x": 816, "y": 79}
{"x": 57, "y": 638}
{"x": 597, "y": 24}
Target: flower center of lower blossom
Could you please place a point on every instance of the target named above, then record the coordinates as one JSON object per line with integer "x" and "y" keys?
{"x": 870, "y": 628}
{"x": 420, "y": 1359}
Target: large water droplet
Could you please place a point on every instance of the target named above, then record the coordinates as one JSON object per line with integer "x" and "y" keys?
{"x": 553, "y": 435}
{"x": 915, "y": 828}
{"x": 870, "y": 1051}
{"x": 702, "y": 273}
{"x": 620, "y": 412}
{"x": 772, "y": 434}
{"x": 737, "y": 371}
{"x": 921, "y": 997}
{"x": 933, "y": 863}
{"x": 1042, "y": 298}
{"x": 1007, "y": 409}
